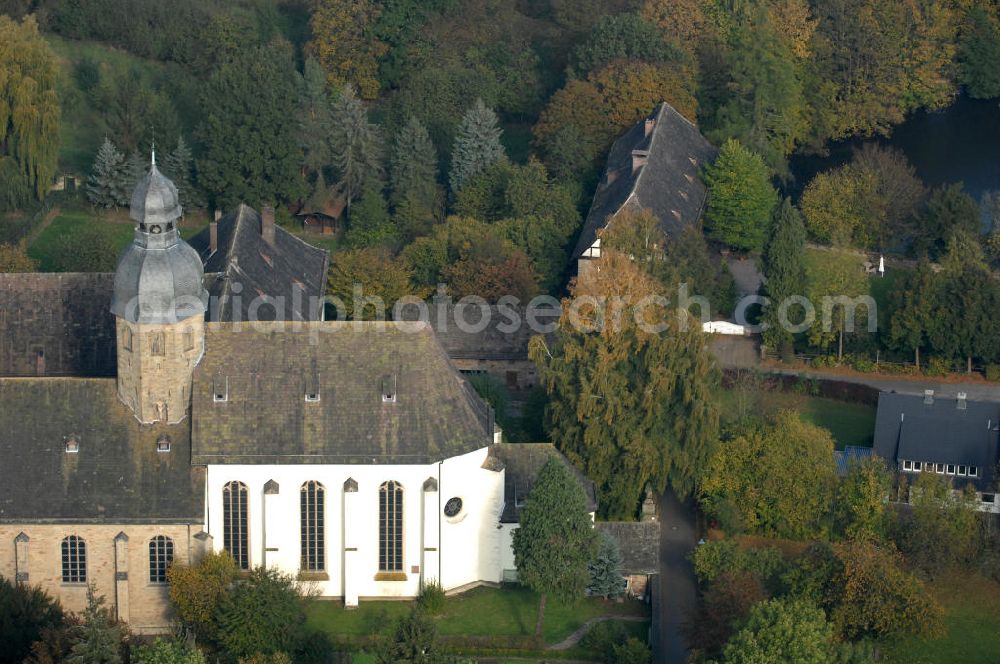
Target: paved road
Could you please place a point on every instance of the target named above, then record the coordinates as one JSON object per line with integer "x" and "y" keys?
{"x": 677, "y": 588}
{"x": 978, "y": 391}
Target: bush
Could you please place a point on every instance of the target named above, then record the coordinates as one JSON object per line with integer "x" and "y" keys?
{"x": 823, "y": 362}
{"x": 633, "y": 651}
{"x": 993, "y": 372}
{"x": 938, "y": 366}
{"x": 713, "y": 559}
{"x": 167, "y": 651}
{"x": 25, "y": 612}
{"x": 604, "y": 637}
{"x": 261, "y": 614}
{"x": 864, "y": 365}
{"x": 432, "y": 597}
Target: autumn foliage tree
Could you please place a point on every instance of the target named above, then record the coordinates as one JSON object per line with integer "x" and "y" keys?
{"x": 630, "y": 385}
{"x": 29, "y": 112}
{"x": 344, "y": 45}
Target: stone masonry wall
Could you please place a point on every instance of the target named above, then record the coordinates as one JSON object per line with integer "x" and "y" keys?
{"x": 145, "y": 606}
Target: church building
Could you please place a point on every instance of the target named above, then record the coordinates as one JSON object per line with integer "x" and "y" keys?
{"x": 353, "y": 456}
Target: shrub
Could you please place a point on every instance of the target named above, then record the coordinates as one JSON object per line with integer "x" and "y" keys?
{"x": 993, "y": 372}
{"x": 196, "y": 590}
{"x": 603, "y": 637}
{"x": 167, "y": 651}
{"x": 432, "y": 597}
{"x": 633, "y": 651}
{"x": 823, "y": 362}
{"x": 713, "y": 559}
{"x": 864, "y": 365}
{"x": 938, "y": 366}
{"x": 261, "y": 614}
{"x": 25, "y": 612}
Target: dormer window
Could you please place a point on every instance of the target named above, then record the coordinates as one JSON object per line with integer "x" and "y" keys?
{"x": 312, "y": 397}
{"x": 72, "y": 445}
{"x": 220, "y": 389}
{"x": 163, "y": 444}
{"x": 312, "y": 388}
{"x": 389, "y": 388}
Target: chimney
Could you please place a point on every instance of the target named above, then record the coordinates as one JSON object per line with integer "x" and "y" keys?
{"x": 267, "y": 224}
{"x": 639, "y": 159}
{"x": 961, "y": 403}
{"x": 928, "y": 397}
{"x": 213, "y": 233}
{"x": 650, "y": 123}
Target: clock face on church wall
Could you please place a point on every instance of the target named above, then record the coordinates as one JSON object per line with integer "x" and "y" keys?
{"x": 453, "y": 507}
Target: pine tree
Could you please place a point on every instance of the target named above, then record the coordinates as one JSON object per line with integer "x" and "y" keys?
{"x": 98, "y": 639}
{"x": 107, "y": 185}
{"x": 912, "y": 310}
{"x": 178, "y": 165}
{"x": 606, "y": 577}
{"x": 369, "y": 223}
{"x": 413, "y": 166}
{"x": 357, "y": 144}
{"x": 784, "y": 270}
{"x": 315, "y": 120}
{"x": 740, "y": 198}
{"x": 477, "y": 145}
{"x": 556, "y": 539}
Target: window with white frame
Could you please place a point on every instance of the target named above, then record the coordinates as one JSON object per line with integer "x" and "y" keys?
{"x": 962, "y": 471}
{"x": 973, "y": 471}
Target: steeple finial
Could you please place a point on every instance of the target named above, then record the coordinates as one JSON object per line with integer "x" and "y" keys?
{"x": 153, "y": 153}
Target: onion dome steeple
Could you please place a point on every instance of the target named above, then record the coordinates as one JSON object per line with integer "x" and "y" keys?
{"x": 159, "y": 275}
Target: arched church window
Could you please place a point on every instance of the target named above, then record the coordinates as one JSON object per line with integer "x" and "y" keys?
{"x": 74, "y": 560}
{"x": 235, "y": 538}
{"x": 127, "y": 339}
{"x": 156, "y": 343}
{"x": 161, "y": 554}
{"x": 390, "y": 527}
{"x": 311, "y": 513}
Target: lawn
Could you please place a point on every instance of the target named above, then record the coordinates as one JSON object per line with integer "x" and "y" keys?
{"x": 510, "y": 611}
{"x": 849, "y": 423}
{"x": 59, "y": 247}
{"x": 972, "y": 620}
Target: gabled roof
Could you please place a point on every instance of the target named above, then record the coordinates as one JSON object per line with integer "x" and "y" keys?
{"x": 907, "y": 428}
{"x": 639, "y": 543}
{"x": 116, "y": 476}
{"x": 245, "y": 266}
{"x": 668, "y": 183}
{"x": 522, "y": 463}
{"x": 264, "y": 372}
{"x": 63, "y": 315}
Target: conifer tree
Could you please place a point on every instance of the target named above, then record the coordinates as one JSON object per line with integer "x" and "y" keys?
{"x": 784, "y": 270}
{"x": 413, "y": 166}
{"x": 369, "y": 223}
{"x": 98, "y": 639}
{"x": 912, "y": 308}
{"x": 107, "y": 185}
{"x": 178, "y": 165}
{"x": 740, "y": 198}
{"x": 556, "y": 540}
{"x": 477, "y": 145}
{"x": 606, "y": 577}
{"x": 357, "y": 144}
{"x": 315, "y": 120}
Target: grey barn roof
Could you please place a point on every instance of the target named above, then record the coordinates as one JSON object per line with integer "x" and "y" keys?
{"x": 522, "y": 463}
{"x": 668, "y": 183}
{"x": 906, "y": 428}
{"x": 117, "y": 476}
{"x": 265, "y": 371}
{"x": 245, "y": 266}
{"x": 639, "y": 543}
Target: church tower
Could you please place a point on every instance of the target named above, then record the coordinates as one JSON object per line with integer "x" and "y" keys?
{"x": 159, "y": 304}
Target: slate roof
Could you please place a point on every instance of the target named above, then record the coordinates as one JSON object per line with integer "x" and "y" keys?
{"x": 63, "y": 315}
{"x": 850, "y": 454}
{"x": 639, "y": 543}
{"x": 940, "y": 432}
{"x": 116, "y": 477}
{"x": 245, "y": 266}
{"x": 668, "y": 184}
{"x": 503, "y": 336}
{"x": 522, "y": 462}
{"x": 266, "y": 370}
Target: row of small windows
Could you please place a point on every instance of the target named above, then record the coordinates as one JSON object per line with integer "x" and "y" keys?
{"x": 220, "y": 389}
{"x": 940, "y": 468}
{"x": 74, "y": 559}
{"x": 312, "y": 535}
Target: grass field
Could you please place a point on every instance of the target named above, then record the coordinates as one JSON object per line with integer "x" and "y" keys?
{"x": 478, "y": 612}
{"x": 849, "y": 423}
{"x": 972, "y": 619}
{"x": 61, "y": 246}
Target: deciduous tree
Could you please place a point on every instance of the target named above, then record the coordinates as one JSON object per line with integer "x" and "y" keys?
{"x": 978, "y": 53}
{"x": 196, "y": 590}
{"x": 838, "y": 289}
{"x": 782, "y": 630}
{"x": 343, "y": 44}
{"x": 260, "y": 614}
{"x": 778, "y": 476}
{"x": 948, "y": 210}
{"x": 29, "y": 108}
{"x": 941, "y": 532}
{"x": 555, "y": 540}
{"x": 861, "y": 500}
{"x": 376, "y": 273}
{"x": 620, "y": 37}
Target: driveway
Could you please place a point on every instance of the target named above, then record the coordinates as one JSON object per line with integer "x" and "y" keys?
{"x": 678, "y": 594}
